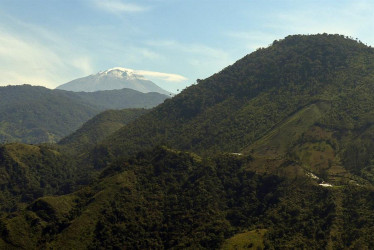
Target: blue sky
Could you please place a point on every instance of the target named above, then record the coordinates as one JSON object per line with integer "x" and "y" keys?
{"x": 50, "y": 42}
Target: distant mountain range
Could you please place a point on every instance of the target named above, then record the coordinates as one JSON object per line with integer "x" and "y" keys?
{"x": 115, "y": 78}
{"x": 34, "y": 114}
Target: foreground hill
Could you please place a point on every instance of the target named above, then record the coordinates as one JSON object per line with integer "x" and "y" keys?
{"x": 33, "y": 114}
{"x": 115, "y": 78}
{"x": 165, "y": 199}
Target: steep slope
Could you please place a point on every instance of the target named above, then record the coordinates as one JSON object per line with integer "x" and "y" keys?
{"x": 99, "y": 127}
{"x": 237, "y": 106}
{"x": 33, "y": 114}
{"x": 28, "y": 172}
{"x": 36, "y": 114}
{"x": 165, "y": 199}
{"x": 115, "y": 78}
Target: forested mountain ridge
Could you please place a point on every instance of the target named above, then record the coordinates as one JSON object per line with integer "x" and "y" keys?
{"x": 28, "y": 172}
{"x": 121, "y": 98}
{"x": 274, "y": 152}
{"x": 235, "y": 107}
{"x": 34, "y": 114}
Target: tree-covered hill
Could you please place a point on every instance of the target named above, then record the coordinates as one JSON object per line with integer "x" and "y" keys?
{"x": 232, "y": 109}
{"x": 165, "y": 199}
{"x": 100, "y": 127}
{"x": 28, "y": 172}
{"x": 33, "y": 114}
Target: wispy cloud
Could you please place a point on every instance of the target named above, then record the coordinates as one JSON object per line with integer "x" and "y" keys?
{"x": 84, "y": 64}
{"x": 252, "y": 39}
{"x": 197, "y": 55}
{"x": 162, "y": 76}
{"x": 347, "y": 19}
{"x": 195, "y": 60}
{"x": 198, "y": 49}
{"x": 168, "y": 77}
{"x": 117, "y": 6}
{"x": 32, "y": 58}
{"x": 352, "y": 18}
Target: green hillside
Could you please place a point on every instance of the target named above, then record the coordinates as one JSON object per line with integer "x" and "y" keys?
{"x": 33, "y": 114}
{"x": 99, "y": 127}
{"x": 237, "y": 106}
{"x": 28, "y": 172}
{"x": 36, "y": 114}
{"x": 169, "y": 199}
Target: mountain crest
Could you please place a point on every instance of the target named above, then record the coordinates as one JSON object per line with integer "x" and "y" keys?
{"x": 114, "y": 78}
{"x": 121, "y": 73}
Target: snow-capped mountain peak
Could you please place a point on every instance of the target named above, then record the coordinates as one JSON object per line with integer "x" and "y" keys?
{"x": 120, "y": 72}
{"x": 114, "y": 78}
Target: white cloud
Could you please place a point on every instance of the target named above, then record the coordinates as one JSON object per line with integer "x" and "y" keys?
{"x": 26, "y": 62}
{"x": 195, "y": 60}
{"x": 148, "y": 54}
{"x": 84, "y": 64}
{"x": 252, "y": 40}
{"x": 196, "y": 49}
{"x": 119, "y": 6}
{"x": 153, "y": 74}
{"x": 26, "y": 59}
{"x": 162, "y": 76}
{"x": 205, "y": 60}
{"x": 351, "y": 18}
{"x": 347, "y": 18}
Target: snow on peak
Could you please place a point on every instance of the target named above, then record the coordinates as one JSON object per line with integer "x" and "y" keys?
{"x": 119, "y": 72}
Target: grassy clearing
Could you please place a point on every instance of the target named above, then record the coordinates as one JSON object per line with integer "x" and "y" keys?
{"x": 248, "y": 240}
{"x": 279, "y": 139}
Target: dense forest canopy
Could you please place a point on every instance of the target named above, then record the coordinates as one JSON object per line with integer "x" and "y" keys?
{"x": 233, "y": 108}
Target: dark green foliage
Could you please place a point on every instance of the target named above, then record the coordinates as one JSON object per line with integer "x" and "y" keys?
{"x": 169, "y": 199}
{"x": 29, "y": 172}
{"x": 36, "y": 114}
{"x": 122, "y": 98}
{"x": 358, "y": 218}
{"x": 33, "y": 114}
{"x": 231, "y": 109}
{"x": 99, "y": 127}
{"x": 176, "y": 200}
{"x": 180, "y": 207}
